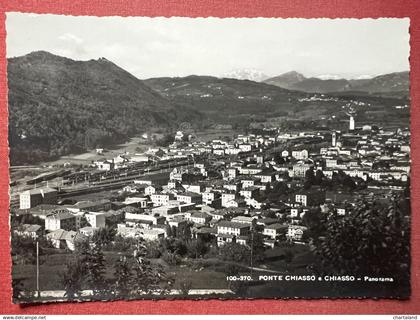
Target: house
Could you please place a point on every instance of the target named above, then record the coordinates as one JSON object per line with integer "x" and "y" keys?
{"x": 311, "y": 197}
{"x": 244, "y": 220}
{"x": 98, "y": 205}
{"x": 200, "y": 217}
{"x": 250, "y": 170}
{"x": 275, "y": 230}
{"x": 189, "y": 197}
{"x": 269, "y": 243}
{"x": 57, "y": 238}
{"x": 161, "y": 199}
{"x": 296, "y": 212}
{"x": 177, "y": 222}
{"x": 60, "y": 219}
{"x": 284, "y": 154}
{"x": 31, "y": 198}
{"x": 232, "y": 228}
{"x": 243, "y": 240}
{"x": 140, "y": 158}
{"x": 88, "y": 231}
{"x": 149, "y": 190}
{"x": 249, "y": 182}
{"x": 299, "y": 170}
{"x": 300, "y": 154}
{"x": 179, "y": 136}
{"x": 266, "y": 176}
{"x": 232, "y": 186}
{"x": 104, "y": 165}
{"x": 249, "y": 192}
{"x": 235, "y": 203}
{"x": 136, "y": 232}
{"x": 227, "y": 197}
{"x": 232, "y": 173}
{"x": 225, "y": 238}
{"x": 208, "y": 197}
{"x": 245, "y": 147}
{"x": 96, "y": 219}
{"x": 139, "y": 202}
{"x": 166, "y": 210}
{"x": 65, "y": 239}
{"x": 295, "y": 232}
{"x": 253, "y": 203}
{"x": 175, "y": 184}
{"x": 29, "y": 230}
{"x": 176, "y": 174}
{"x": 196, "y": 188}
{"x": 144, "y": 218}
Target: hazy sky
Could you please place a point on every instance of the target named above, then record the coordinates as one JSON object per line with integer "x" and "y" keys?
{"x": 154, "y": 47}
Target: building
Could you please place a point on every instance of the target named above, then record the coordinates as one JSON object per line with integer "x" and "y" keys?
{"x": 189, "y": 197}
{"x": 300, "y": 154}
{"x": 334, "y": 139}
{"x": 233, "y": 228}
{"x": 226, "y": 197}
{"x": 351, "y": 123}
{"x": 99, "y": 205}
{"x": 230, "y": 231}
{"x": 65, "y": 239}
{"x": 147, "y": 219}
{"x": 96, "y": 219}
{"x": 161, "y": 199}
{"x": 200, "y": 217}
{"x": 275, "y": 230}
{"x": 243, "y": 219}
{"x": 60, "y": 219}
{"x": 295, "y": 232}
{"x": 31, "y": 198}
{"x": 299, "y": 170}
{"x": 310, "y": 197}
{"x": 29, "y": 230}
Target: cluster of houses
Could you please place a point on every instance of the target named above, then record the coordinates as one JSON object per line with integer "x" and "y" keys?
{"x": 226, "y": 200}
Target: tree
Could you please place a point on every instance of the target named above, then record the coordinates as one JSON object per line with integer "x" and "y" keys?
{"x": 123, "y": 275}
{"x": 183, "y": 232}
{"x": 166, "y": 140}
{"x": 104, "y": 236}
{"x": 315, "y": 221}
{"x": 235, "y": 252}
{"x": 148, "y": 278}
{"x": 319, "y": 177}
{"x": 72, "y": 279}
{"x": 373, "y": 240}
{"x": 93, "y": 262}
{"x": 256, "y": 245}
{"x": 196, "y": 248}
{"x": 309, "y": 178}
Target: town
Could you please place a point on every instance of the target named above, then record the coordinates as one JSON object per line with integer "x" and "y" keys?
{"x": 264, "y": 192}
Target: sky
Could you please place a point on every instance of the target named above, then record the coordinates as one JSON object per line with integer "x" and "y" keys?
{"x": 157, "y": 47}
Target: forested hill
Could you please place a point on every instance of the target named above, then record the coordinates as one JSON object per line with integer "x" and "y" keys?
{"x": 59, "y": 106}
{"x": 227, "y": 100}
{"x": 392, "y": 84}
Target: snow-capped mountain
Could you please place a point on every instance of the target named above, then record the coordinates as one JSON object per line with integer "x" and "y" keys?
{"x": 246, "y": 74}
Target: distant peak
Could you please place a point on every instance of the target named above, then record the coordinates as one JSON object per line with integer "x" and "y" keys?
{"x": 292, "y": 73}
{"x": 246, "y": 74}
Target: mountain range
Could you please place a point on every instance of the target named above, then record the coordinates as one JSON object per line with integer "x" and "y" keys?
{"x": 59, "y": 106}
{"x": 397, "y": 82}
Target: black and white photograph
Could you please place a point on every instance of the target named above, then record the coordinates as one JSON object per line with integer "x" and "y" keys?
{"x": 203, "y": 158}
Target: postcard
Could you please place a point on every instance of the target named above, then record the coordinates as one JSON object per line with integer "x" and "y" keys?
{"x": 198, "y": 158}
